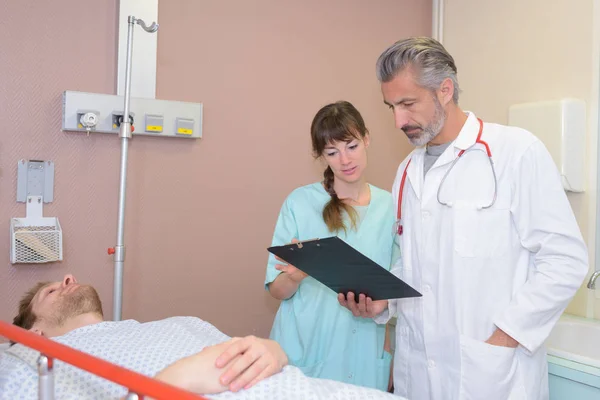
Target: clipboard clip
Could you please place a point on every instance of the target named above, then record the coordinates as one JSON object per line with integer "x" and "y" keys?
{"x": 301, "y": 244}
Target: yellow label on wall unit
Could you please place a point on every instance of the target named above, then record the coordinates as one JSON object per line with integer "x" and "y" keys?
{"x": 154, "y": 128}
{"x": 184, "y": 131}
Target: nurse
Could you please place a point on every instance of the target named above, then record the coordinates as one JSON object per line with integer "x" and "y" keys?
{"x": 319, "y": 336}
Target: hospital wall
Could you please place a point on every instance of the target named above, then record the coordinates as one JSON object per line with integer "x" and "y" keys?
{"x": 199, "y": 214}
{"x": 516, "y": 51}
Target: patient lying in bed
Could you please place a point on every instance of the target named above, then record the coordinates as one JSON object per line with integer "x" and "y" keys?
{"x": 183, "y": 351}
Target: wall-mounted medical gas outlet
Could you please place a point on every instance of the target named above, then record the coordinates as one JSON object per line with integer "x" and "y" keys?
{"x": 103, "y": 113}
{"x": 117, "y": 119}
{"x": 87, "y": 119}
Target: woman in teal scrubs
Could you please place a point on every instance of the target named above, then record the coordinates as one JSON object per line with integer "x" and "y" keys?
{"x": 319, "y": 336}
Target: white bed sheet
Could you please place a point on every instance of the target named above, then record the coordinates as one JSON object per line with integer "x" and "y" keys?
{"x": 147, "y": 348}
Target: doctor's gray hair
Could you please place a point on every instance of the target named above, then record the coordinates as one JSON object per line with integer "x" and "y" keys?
{"x": 433, "y": 63}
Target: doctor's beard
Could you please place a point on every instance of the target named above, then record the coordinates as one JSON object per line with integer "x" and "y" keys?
{"x": 433, "y": 129}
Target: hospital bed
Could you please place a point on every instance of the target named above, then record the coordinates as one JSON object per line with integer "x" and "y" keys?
{"x": 52, "y": 357}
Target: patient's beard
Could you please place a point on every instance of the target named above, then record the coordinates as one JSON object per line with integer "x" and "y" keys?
{"x": 83, "y": 300}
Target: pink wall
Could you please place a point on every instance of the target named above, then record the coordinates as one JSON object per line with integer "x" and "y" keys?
{"x": 199, "y": 214}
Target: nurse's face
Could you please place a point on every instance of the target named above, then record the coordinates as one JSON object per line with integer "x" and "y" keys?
{"x": 417, "y": 110}
{"x": 347, "y": 160}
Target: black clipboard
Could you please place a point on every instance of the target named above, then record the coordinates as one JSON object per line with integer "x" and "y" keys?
{"x": 343, "y": 269}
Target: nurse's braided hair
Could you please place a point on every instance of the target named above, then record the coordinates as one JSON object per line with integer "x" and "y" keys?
{"x": 430, "y": 60}
{"x": 336, "y": 122}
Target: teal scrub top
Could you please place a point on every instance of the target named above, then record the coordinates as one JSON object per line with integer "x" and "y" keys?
{"x": 319, "y": 336}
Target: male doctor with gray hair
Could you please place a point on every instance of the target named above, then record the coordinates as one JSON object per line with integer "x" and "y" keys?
{"x": 487, "y": 236}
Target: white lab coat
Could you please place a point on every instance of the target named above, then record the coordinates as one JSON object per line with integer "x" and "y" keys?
{"x": 514, "y": 266}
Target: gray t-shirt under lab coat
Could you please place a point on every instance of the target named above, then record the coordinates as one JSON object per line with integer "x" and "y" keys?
{"x": 432, "y": 153}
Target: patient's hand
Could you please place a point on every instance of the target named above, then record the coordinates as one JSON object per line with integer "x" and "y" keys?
{"x": 197, "y": 373}
{"x": 249, "y": 360}
{"x": 232, "y": 365}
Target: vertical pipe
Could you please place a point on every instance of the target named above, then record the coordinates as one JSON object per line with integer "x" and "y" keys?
{"x": 437, "y": 20}
{"x": 435, "y": 6}
{"x": 45, "y": 378}
{"x": 125, "y": 135}
{"x": 441, "y": 22}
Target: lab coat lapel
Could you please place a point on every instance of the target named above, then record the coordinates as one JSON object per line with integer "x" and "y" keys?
{"x": 468, "y": 134}
{"x": 415, "y": 171}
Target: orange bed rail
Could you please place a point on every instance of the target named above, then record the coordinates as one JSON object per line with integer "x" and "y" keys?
{"x": 137, "y": 383}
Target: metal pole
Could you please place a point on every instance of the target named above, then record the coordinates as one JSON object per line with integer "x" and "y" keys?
{"x": 46, "y": 378}
{"x": 124, "y": 135}
{"x": 438, "y": 20}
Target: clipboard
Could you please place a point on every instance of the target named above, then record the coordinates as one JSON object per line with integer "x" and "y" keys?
{"x": 343, "y": 269}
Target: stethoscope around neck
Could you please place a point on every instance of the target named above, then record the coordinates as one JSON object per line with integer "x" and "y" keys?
{"x": 398, "y": 228}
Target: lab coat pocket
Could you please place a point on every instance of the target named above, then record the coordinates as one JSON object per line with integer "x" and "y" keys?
{"x": 481, "y": 233}
{"x": 487, "y": 372}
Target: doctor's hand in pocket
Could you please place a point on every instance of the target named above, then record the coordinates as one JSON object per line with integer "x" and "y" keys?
{"x": 292, "y": 272}
{"x": 501, "y": 338}
{"x": 366, "y": 307}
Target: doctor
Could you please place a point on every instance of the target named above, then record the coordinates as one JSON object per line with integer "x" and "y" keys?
{"x": 487, "y": 235}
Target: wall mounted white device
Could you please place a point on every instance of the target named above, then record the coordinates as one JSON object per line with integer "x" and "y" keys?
{"x": 561, "y": 126}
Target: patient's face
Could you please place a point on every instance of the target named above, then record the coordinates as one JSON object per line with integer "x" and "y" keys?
{"x": 56, "y": 302}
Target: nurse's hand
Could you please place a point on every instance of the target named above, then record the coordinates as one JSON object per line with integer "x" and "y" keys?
{"x": 292, "y": 272}
{"x": 366, "y": 307}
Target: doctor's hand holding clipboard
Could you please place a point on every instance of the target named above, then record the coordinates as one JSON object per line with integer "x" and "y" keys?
{"x": 362, "y": 306}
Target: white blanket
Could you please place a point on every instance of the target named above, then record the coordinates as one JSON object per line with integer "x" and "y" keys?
{"x": 147, "y": 348}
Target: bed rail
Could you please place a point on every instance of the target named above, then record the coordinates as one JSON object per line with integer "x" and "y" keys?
{"x": 139, "y": 385}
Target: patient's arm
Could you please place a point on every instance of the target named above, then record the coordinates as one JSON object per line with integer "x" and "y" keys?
{"x": 232, "y": 365}
{"x": 196, "y": 373}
